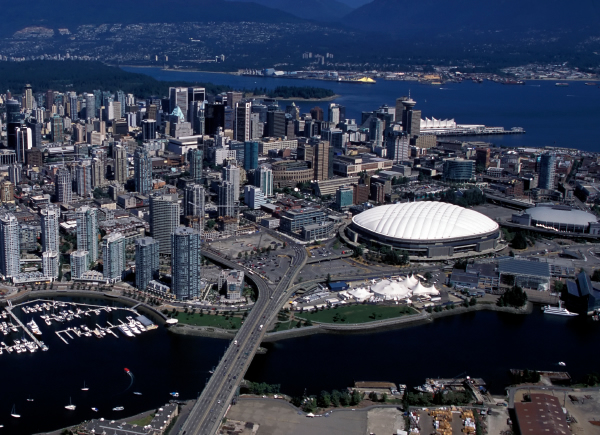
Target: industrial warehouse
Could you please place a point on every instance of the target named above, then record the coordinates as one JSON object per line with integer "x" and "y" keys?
{"x": 433, "y": 230}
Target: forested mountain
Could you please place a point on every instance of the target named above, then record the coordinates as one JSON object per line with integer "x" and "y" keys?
{"x": 317, "y": 10}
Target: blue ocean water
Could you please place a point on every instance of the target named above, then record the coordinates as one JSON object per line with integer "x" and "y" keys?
{"x": 551, "y": 115}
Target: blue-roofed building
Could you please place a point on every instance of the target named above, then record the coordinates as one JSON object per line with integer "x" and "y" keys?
{"x": 338, "y": 286}
{"x": 525, "y": 274}
{"x": 582, "y": 297}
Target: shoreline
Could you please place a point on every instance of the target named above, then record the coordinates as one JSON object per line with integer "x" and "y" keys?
{"x": 357, "y": 328}
{"x": 235, "y": 73}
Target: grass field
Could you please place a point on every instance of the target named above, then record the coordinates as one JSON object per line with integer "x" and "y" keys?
{"x": 356, "y": 314}
{"x": 209, "y": 320}
{"x": 144, "y": 421}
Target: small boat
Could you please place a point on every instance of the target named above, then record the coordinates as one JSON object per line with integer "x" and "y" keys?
{"x": 561, "y": 363}
{"x": 174, "y": 394}
{"x": 127, "y": 370}
{"x": 562, "y": 84}
{"x": 137, "y": 393}
{"x": 95, "y": 409}
{"x": 590, "y": 84}
{"x": 118, "y": 408}
{"x": 70, "y": 406}
{"x": 558, "y": 311}
{"x": 13, "y": 413}
{"x": 29, "y": 399}
{"x": 84, "y": 387}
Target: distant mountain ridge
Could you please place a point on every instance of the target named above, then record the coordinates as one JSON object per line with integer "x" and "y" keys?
{"x": 72, "y": 13}
{"x": 434, "y": 17}
{"x": 317, "y": 10}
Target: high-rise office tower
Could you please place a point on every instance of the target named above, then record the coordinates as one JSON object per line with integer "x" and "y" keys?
{"x": 242, "y": 121}
{"x": 49, "y": 99}
{"x": 113, "y": 256}
{"x": 547, "y": 171}
{"x": 73, "y": 107}
{"x": 87, "y": 231}
{"x": 178, "y": 97}
{"x": 226, "y": 199}
{"x": 120, "y": 97}
{"x": 9, "y": 245}
{"x": 482, "y": 157}
{"x": 316, "y": 113}
{"x": 293, "y": 111}
{"x": 7, "y": 191}
{"x": 146, "y": 261}
{"x": 333, "y": 114}
{"x": 253, "y": 197}
{"x": 316, "y": 152}
{"x": 121, "y": 171}
{"x": 148, "y": 129}
{"x": 233, "y": 98}
{"x": 193, "y": 197}
{"x": 231, "y": 173}
{"x": 28, "y": 100}
{"x": 36, "y": 131}
{"x": 83, "y": 178}
{"x": 257, "y": 128}
{"x": 197, "y": 117}
{"x": 195, "y": 100}
{"x": 13, "y": 121}
{"x": 263, "y": 178}
{"x": 142, "y": 166}
{"x": 275, "y": 124}
{"x": 250, "y": 155}
{"x": 398, "y": 145}
{"x": 49, "y": 223}
{"x": 80, "y": 263}
{"x": 50, "y": 264}
{"x": 214, "y": 117}
{"x": 98, "y": 171}
{"x": 97, "y": 102}
{"x": 58, "y": 129}
{"x": 164, "y": 219}
{"x": 185, "y": 263}
{"x": 64, "y": 184}
{"x": 90, "y": 106}
{"x": 376, "y": 131}
{"x": 195, "y": 157}
{"x": 24, "y": 142}
{"x": 411, "y": 118}
{"x": 14, "y": 173}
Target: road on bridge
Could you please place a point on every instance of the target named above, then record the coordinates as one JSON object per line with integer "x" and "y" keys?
{"x": 213, "y": 403}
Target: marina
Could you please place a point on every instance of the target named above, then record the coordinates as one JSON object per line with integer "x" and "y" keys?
{"x": 59, "y": 312}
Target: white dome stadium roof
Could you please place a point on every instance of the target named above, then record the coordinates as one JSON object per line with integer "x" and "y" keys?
{"x": 425, "y": 220}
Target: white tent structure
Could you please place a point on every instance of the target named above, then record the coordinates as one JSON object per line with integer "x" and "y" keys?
{"x": 421, "y": 290}
{"x": 410, "y": 282}
{"x": 390, "y": 290}
{"x": 360, "y": 294}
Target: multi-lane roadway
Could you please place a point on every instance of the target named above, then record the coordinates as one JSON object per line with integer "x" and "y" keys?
{"x": 216, "y": 397}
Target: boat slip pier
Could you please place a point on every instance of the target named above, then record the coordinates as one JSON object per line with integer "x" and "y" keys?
{"x": 64, "y": 312}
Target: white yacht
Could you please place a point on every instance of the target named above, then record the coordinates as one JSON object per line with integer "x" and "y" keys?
{"x": 558, "y": 311}
{"x": 34, "y": 327}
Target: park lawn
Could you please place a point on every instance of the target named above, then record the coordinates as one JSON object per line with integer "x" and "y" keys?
{"x": 144, "y": 421}
{"x": 209, "y": 320}
{"x": 284, "y": 326}
{"x": 356, "y": 314}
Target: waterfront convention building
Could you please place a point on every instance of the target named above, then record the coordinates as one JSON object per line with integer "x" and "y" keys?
{"x": 426, "y": 229}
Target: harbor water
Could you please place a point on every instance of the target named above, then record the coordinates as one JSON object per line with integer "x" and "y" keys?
{"x": 483, "y": 344}
{"x": 551, "y": 115}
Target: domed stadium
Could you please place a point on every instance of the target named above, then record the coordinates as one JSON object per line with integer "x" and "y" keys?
{"x": 426, "y": 229}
